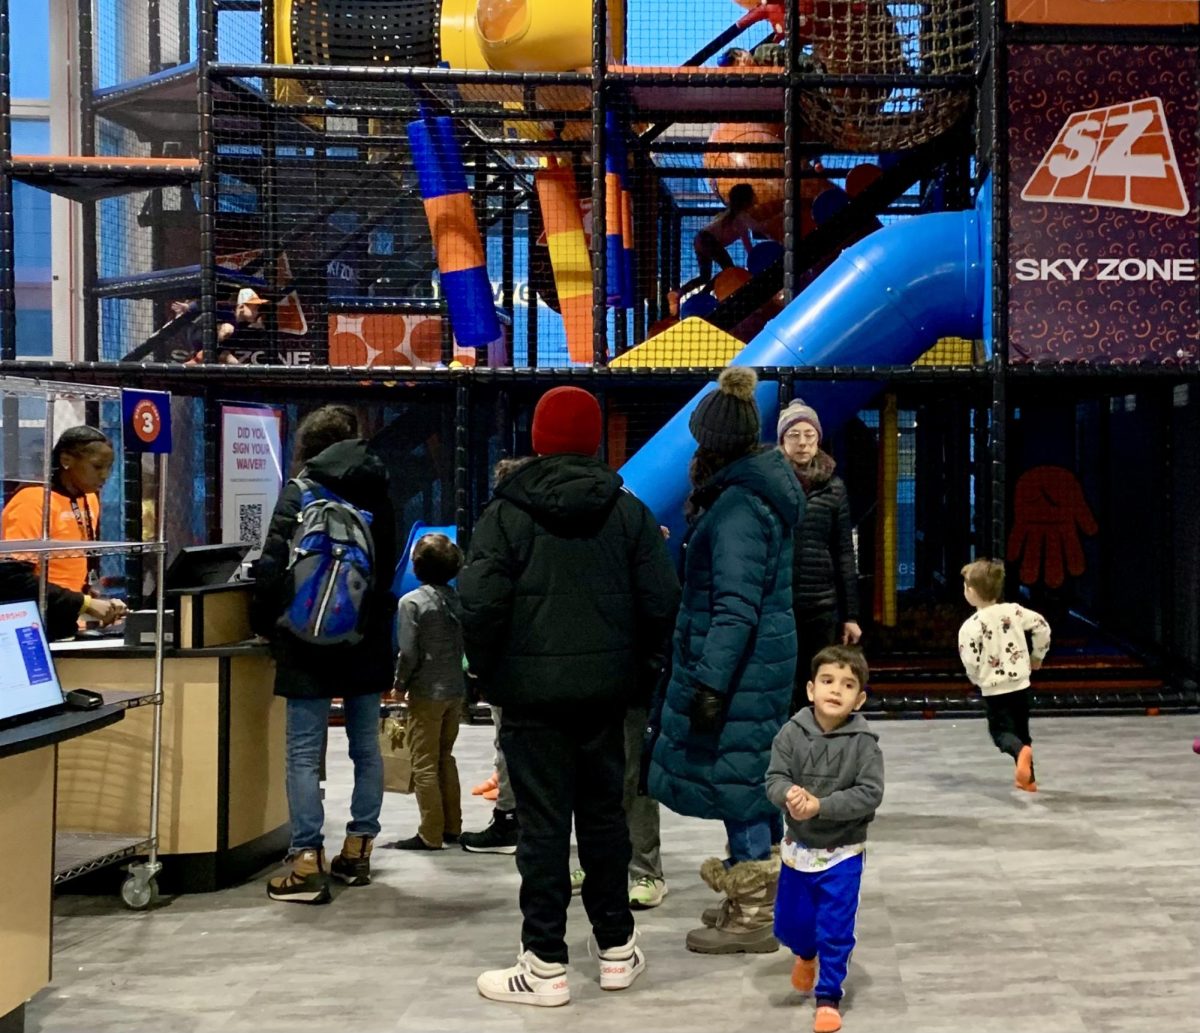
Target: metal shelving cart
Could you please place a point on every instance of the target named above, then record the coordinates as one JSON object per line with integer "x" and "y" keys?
{"x": 77, "y": 853}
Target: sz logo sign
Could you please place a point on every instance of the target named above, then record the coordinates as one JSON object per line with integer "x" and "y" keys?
{"x": 1117, "y": 157}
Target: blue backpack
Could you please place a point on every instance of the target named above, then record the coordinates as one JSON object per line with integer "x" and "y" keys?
{"x": 331, "y": 569}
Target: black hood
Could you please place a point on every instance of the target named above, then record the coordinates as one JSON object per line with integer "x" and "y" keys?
{"x": 349, "y": 467}
{"x": 571, "y": 495}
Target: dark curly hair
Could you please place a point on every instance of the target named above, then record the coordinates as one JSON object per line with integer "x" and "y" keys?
{"x": 436, "y": 559}
{"x": 324, "y": 427}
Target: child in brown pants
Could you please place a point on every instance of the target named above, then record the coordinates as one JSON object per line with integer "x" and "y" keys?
{"x": 430, "y": 670}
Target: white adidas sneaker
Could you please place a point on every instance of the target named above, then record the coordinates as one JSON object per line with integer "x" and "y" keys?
{"x": 620, "y": 966}
{"x": 530, "y": 981}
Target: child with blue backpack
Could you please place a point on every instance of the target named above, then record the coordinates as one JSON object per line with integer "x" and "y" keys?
{"x": 323, "y": 599}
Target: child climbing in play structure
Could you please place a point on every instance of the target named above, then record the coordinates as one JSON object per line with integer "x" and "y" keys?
{"x": 768, "y": 54}
{"x": 993, "y": 649}
{"x": 826, "y": 773}
{"x": 712, "y": 243}
{"x": 430, "y": 670}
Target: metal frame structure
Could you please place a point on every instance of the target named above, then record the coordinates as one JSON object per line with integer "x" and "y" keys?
{"x": 75, "y": 853}
{"x": 1003, "y": 383}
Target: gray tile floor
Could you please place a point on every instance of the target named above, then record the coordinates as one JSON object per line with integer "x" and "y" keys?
{"x": 983, "y": 909}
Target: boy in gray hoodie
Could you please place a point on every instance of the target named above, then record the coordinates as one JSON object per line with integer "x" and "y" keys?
{"x": 826, "y": 772}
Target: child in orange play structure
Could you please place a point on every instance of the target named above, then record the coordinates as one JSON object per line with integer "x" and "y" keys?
{"x": 712, "y": 243}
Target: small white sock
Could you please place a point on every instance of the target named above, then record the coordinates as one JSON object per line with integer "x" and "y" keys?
{"x": 543, "y": 969}
{"x": 622, "y": 952}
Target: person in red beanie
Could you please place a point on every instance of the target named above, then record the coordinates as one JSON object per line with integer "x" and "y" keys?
{"x": 568, "y": 598}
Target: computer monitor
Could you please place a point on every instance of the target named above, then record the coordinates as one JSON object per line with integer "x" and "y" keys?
{"x": 200, "y": 566}
{"x": 29, "y": 684}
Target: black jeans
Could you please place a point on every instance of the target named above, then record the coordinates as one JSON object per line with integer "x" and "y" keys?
{"x": 560, "y": 768}
{"x": 1008, "y": 721}
{"x": 812, "y": 635}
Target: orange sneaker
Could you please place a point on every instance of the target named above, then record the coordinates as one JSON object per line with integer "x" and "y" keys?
{"x": 804, "y": 974}
{"x": 491, "y": 783}
{"x": 1025, "y": 770}
{"x": 828, "y": 1019}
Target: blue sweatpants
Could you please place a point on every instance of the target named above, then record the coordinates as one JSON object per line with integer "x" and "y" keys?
{"x": 814, "y": 917}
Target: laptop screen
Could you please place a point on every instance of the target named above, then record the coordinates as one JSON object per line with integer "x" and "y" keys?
{"x": 28, "y": 681}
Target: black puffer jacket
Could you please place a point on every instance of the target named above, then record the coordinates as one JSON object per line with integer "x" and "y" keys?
{"x": 302, "y": 671}
{"x": 825, "y": 576}
{"x": 568, "y": 592}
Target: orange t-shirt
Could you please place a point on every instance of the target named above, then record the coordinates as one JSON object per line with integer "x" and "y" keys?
{"x": 22, "y": 521}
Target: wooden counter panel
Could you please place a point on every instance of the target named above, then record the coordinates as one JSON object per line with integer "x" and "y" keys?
{"x": 27, "y": 828}
{"x": 104, "y": 778}
{"x": 257, "y": 726}
{"x": 214, "y": 619}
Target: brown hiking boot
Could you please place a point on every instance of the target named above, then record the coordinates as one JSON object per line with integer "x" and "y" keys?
{"x": 804, "y": 974}
{"x": 353, "y": 864}
{"x": 306, "y": 883}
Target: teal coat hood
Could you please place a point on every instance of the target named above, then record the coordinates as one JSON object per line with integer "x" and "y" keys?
{"x": 768, "y": 475}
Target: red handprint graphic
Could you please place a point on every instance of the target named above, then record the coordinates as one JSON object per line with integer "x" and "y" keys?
{"x": 1050, "y": 511}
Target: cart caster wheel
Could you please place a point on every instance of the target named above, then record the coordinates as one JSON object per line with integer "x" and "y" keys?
{"x": 139, "y": 894}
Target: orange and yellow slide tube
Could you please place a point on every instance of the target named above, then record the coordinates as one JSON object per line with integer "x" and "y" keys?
{"x": 569, "y": 257}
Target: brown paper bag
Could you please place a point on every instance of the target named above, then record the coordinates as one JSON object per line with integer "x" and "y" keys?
{"x": 397, "y": 756}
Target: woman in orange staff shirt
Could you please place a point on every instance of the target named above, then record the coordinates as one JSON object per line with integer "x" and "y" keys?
{"x": 81, "y": 462}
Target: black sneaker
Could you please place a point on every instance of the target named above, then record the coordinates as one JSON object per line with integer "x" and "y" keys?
{"x": 500, "y": 837}
{"x": 306, "y": 883}
{"x": 412, "y": 843}
{"x": 353, "y": 864}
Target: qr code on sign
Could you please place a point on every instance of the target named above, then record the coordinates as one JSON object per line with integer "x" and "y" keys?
{"x": 250, "y": 521}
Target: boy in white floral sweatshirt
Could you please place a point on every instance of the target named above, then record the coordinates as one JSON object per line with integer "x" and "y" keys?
{"x": 993, "y": 649}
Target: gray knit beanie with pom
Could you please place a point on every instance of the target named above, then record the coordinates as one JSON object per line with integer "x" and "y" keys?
{"x": 797, "y": 412}
{"x": 726, "y": 421}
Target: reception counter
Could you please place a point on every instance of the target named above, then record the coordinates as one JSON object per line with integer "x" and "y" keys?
{"x": 223, "y": 804}
{"x": 27, "y": 825}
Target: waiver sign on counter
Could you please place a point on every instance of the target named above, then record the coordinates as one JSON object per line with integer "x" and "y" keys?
{"x": 1104, "y": 213}
{"x": 251, "y": 471}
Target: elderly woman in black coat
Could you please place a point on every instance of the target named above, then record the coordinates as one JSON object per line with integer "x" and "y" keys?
{"x": 825, "y": 575}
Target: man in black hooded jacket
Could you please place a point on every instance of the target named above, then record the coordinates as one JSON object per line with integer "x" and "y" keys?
{"x": 568, "y": 597}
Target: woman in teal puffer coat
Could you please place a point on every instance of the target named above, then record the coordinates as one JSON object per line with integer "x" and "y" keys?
{"x": 733, "y": 659}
